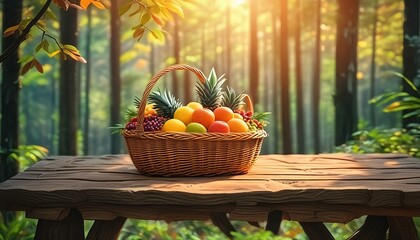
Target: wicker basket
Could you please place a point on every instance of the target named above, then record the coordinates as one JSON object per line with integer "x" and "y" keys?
{"x": 171, "y": 154}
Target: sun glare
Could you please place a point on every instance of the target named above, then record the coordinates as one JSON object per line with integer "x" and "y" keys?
{"x": 237, "y": 3}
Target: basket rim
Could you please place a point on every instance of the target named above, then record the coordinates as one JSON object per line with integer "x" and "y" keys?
{"x": 195, "y": 136}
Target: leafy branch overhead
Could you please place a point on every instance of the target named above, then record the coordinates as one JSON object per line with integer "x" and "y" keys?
{"x": 157, "y": 12}
{"x": 152, "y": 16}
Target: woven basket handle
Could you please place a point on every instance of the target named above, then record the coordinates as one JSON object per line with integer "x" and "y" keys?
{"x": 152, "y": 82}
{"x": 248, "y": 103}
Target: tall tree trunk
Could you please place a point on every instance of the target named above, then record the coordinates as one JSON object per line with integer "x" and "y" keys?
{"x": 176, "y": 51}
{"x": 68, "y": 90}
{"x": 268, "y": 96}
{"x": 152, "y": 62}
{"x": 300, "y": 123}
{"x": 216, "y": 54}
{"x": 284, "y": 79}
{"x": 346, "y": 69}
{"x": 373, "y": 64}
{"x": 276, "y": 79}
{"x": 253, "y": 48}
{"x": 87, "y": 83}
{"x": 228, "y": 37}
{"x": 53, "y": 128}
{"x": 115, "y": 74}
{"x": 411, "y": 51}
{"x": 10, "y": 86}
{"x": 316, "y": 79}
{"x": 187, "y": 87}
{"x": 203, "y": 48}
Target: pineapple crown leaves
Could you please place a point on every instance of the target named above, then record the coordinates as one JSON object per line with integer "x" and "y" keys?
{"x": 164, "y": 102}
{"x": 129, "y": 113}
{"x": 210, "y": 92}
{"x": 137, "y": 101}
{"x": 262, "y": 117}
{"x": 231, "y": 99}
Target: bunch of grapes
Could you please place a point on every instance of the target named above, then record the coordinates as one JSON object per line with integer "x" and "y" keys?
{"x": 253, "y": 124}
{"x": 245, "y": 115}
{"x": 153, "y": 123}
{"x": 132, "y": 124}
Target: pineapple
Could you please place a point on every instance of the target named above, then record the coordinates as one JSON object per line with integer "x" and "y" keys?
{"x": 210, "y": 92}
{"x": 164, "y": 103}
{"x": 231, "y": 99}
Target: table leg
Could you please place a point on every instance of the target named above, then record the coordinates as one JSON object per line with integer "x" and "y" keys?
{"x": 273, "y": 221}
{"x": 223, "y": 223}
{"x": 374, "y": 228}
{"x": 106, "y": 229}
{"x": 70, "y": 228}
{"x": 316, "y": 231}
{"x": 402, "y": 228}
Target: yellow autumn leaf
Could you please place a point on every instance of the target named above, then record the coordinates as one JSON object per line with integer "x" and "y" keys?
{"x": 175, "y": 7}
{"x": 393, "y": 106}
{"x": 157, "y": 20}
{"x": 98, "y": 5}
{"x": 54, "y": 53}
{"x": 85, "y": 3}
{"x": 9, "y": 31}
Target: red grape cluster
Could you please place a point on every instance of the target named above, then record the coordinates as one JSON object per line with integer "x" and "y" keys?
{"x": 132, "y": 124}
{"x": 253, "y": 124}
{"x": 153, "y": 123}
{"x": 245, "y": 115}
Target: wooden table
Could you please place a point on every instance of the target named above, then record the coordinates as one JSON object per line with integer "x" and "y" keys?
{"x": 311, "y": 189}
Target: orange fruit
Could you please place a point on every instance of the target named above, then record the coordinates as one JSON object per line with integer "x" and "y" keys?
{"x": 174, "y": 125}
{"x": 203, "y": 116}
{"x": 184, "y": 114}
{"x": 238, "y": 125}
{"x": 194, "y": 105}
{"x": 223, "y": 114}
{"x": 219, "y": 126}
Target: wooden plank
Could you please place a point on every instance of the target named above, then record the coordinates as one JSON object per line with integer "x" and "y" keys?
{"x": 370, "y": 181}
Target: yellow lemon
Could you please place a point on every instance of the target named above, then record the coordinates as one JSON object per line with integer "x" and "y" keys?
{"x": 195, "y": 105}
{"x": 184, "y": 114}
{"x": 174, "y": 125}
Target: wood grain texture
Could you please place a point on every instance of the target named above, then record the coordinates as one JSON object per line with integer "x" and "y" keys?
{"x": 325, "y": 187}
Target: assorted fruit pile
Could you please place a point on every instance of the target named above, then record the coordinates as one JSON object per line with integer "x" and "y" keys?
{"x": 215, "y": 111}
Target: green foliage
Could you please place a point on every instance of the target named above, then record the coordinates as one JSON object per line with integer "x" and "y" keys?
{"x": 394, "y": 140}
{"x": 144, "y": 229}
{"x": 400, "y": 101}
{"x": 27, "y": 155}
{"x": 267, "y": 235}
{"x": 19, "y": 228}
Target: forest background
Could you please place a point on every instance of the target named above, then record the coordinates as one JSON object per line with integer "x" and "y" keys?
{"x": 289, "y": 70}
{"x": 313, "y": 64}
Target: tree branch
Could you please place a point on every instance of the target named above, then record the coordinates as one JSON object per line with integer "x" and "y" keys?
{"x": 24, "y": 33}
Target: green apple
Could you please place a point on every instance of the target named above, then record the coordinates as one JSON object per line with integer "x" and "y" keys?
{"x": 196, "y": 127}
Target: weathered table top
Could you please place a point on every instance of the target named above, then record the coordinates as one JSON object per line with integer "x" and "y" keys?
{"x": 325, "y": 188}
